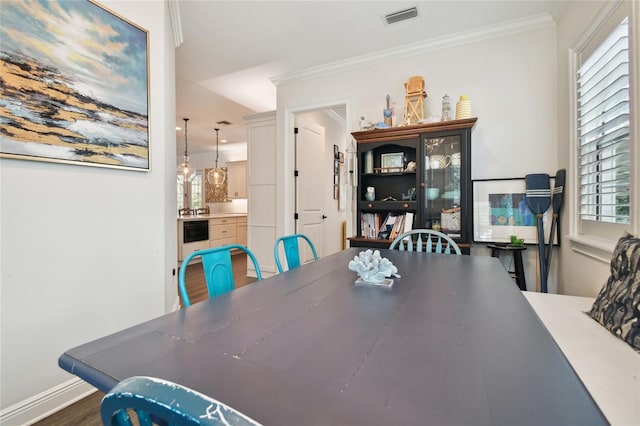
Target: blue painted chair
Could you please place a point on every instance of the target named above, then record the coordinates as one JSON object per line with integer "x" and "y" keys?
{"x": 218, "y": 270}
{"x": 426, "y": 240}
{"x": 148, "y": 401}
{"x": 291, "y": 250}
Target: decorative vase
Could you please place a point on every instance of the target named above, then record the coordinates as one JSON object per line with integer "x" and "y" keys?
{"x": 368, "y": 162}
{"x": 370, "y": 195}
{"x": 463, "y": 108}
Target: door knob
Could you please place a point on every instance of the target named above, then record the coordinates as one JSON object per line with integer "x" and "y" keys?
{"x": 324, "y": 217}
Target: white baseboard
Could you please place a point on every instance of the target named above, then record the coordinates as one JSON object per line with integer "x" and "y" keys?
{"x": 45, "y": 403}
{"x": 176, "y": 305}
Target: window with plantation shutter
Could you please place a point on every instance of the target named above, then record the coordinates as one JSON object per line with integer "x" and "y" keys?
{"x": 604, "y": 130}
{"x": 191, "y": 191}
{"x": 181, "y": 192}
{"x": 197, "y": 200}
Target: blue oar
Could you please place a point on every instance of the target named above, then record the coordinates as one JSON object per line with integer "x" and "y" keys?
{"x": 556, "y": 204}
{"x": 538, "y": 199}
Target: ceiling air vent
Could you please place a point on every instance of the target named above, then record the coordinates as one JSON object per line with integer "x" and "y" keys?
{"x": 402, "y": 15}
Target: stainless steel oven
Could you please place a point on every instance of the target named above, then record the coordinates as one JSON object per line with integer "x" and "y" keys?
{"x": 195, "y": 230}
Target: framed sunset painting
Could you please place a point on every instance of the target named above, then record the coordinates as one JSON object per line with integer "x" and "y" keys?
{"x": 75, "y": 85}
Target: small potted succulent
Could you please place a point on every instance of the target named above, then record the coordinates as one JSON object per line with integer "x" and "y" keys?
{"x": 516, "y": 242}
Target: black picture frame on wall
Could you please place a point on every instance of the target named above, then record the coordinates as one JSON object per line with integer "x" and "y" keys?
{"x": 500, "y": 210}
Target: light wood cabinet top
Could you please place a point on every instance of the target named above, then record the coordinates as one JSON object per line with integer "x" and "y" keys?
{"x": 211, "y": 216}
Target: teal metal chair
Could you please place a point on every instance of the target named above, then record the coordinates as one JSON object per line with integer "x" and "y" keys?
{"x": 148, "y": 401}
{"x": 218, "y": 270}
{"x": 426, "y": 240}
{"x": 291, "y": 250}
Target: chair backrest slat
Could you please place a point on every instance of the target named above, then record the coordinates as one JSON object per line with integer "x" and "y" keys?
{"x": 434, "y": 241}
{"x": 218, "y": 270}
{"x": 291, "y": 249}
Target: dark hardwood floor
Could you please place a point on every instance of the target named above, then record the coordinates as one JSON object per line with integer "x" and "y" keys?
{"x": 86, "y": 412}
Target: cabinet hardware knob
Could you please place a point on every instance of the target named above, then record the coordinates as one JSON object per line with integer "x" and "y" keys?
{"x": 406, "y": 206}
{"x": 422, "y": 185}
{"x": 369, "y": 205}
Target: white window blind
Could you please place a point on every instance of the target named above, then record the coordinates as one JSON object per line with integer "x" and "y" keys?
{"x": 604, "y": 130}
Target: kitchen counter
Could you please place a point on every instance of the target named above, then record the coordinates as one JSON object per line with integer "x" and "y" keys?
{"x": 210, "y": 216}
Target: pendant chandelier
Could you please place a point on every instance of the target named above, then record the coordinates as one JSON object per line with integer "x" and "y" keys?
{"x": 185, "y": 168}
{"x": 217, "y": 175}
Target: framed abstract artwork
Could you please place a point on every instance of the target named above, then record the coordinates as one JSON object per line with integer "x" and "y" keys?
{"x": 76, "y": 85}
{"x": 500, "y": 210}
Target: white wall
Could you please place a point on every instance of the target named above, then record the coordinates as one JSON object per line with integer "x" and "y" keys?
{"x": 510, "y": 78}
{"x": 87, "y": 251}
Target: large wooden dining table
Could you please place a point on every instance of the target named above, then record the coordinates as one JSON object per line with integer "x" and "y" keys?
{"x": 453, "y": 342}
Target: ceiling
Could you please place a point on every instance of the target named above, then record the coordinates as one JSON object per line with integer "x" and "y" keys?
{"x": 232, "y": 50}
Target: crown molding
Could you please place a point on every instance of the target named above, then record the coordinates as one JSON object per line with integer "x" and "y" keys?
{"x": 260, "y": 117}
{"x": 466, "y": 37}
{"x": 176, "y": 25}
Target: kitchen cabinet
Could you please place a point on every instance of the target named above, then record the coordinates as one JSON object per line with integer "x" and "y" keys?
{"x": 414, "y": 177}
{"x": 187, "y": 248}
{"x": 222, "y": 230}
{"x": 236, "y": 179}
{"x": 241, "y": 231}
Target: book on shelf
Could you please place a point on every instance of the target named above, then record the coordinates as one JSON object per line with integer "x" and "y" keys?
{"x": 397, "y": 226}
{"x": 408, "y": 222}
{"x": 387, "y": 223}
{"x": 373, "y": 226}
{"x": 369, "y": 225}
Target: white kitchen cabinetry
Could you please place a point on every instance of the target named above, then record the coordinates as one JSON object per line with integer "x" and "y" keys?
{"x": 222, "y": 231}
{"x": 188, "y": 248}
{"x": 236, "y": 179}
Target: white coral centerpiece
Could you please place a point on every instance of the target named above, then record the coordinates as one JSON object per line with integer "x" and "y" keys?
{"x": 372, "y": 267}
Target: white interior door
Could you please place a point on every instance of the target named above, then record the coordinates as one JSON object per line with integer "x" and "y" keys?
{"x": 311, "y": 185}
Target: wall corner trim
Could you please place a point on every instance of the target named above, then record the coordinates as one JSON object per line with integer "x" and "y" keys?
{"x": 176, "y": 21}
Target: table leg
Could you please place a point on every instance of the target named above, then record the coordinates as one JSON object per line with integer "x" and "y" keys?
{"x": 520, "y": 280}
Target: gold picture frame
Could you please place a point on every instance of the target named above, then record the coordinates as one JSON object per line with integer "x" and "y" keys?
{"x": 76, "y": 88}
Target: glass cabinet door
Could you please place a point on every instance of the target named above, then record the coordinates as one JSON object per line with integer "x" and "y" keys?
{"x": 441, "y": 184}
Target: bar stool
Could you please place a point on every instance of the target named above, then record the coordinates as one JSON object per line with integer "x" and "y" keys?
{"x": 516, "y": 252}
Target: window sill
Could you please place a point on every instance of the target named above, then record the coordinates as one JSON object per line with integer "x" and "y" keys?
{"x": 593, "y": 247}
